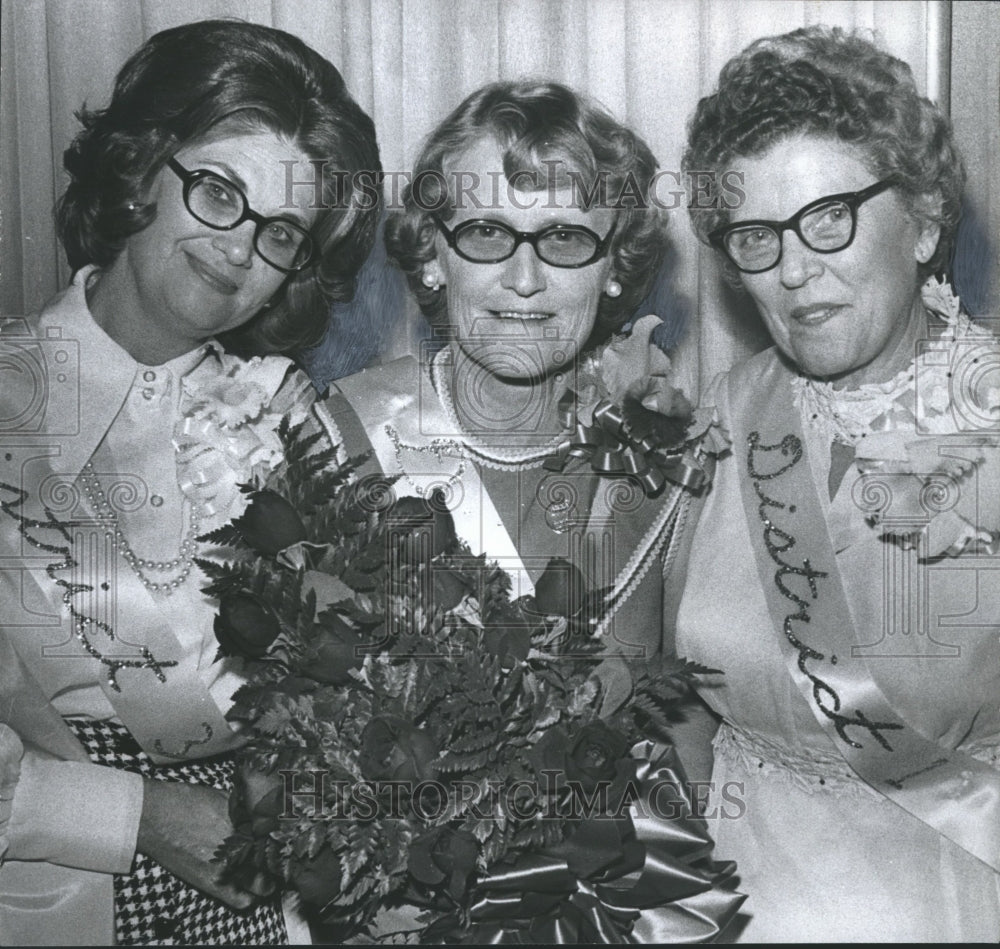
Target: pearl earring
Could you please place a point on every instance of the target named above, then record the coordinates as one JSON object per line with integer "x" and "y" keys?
{"x": 431, "y": 281}
{"x": 613, "y": 289}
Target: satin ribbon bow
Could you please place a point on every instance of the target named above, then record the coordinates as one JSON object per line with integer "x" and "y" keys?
{"x": 614, "y": 446}
{"x": 212, "y": 462}
{"x": 645, "y": 876}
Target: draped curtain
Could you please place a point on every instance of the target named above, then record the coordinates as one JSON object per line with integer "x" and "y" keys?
{"x": 408, "y": 62}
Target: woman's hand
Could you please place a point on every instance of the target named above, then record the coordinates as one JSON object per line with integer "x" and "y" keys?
{"x": 181, "y": 827}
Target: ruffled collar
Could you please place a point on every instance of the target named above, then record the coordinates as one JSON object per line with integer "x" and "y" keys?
{"x": 929, "y": 488}
{"x": 918, "y": 398}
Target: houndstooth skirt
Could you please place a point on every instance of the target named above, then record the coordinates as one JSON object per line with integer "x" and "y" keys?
{"x": 152, "y": 906}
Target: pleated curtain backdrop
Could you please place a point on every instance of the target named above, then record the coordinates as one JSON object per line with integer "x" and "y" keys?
{"x": 409, "y": 62}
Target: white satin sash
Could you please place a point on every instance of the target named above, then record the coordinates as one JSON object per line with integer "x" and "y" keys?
{"x": 168, "y": 709}
{"x": 951, "y": 791}
{"x": 412, "y": 437}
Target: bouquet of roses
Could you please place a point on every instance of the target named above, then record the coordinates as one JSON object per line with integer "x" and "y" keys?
{"x": 415, "y": 737}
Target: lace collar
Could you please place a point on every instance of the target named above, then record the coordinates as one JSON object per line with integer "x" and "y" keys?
{"x": 915, "y": 397}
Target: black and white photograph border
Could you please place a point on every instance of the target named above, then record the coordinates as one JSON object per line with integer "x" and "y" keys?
{"x": 930, "y": 599}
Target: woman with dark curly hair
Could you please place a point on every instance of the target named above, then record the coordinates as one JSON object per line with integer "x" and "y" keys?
{"x": 224, "y": 198}
{"x": 857, "y": 520}
{"x": 528, "y": 238}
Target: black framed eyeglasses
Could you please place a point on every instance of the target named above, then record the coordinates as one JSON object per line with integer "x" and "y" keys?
{"x": 491, "y": 242}
{"x": 825, "y": 225}
{"x": 221, "y": 205}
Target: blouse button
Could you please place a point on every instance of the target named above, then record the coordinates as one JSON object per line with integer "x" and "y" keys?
{"x": 149, "y": 375}
{"x": 147, "y": 394}
{"x": 156, "y": 500}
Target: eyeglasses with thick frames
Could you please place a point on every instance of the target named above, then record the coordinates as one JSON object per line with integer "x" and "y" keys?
{"x": 491, "y": 242}
{"x": 221, "y": 205}
{"x": 825, "y": 225}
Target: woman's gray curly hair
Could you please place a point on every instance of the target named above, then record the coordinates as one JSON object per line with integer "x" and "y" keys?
{"x": 826, "y": 82}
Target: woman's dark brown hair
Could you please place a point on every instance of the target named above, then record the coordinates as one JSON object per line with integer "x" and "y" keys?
{"x": 226, "y": 75}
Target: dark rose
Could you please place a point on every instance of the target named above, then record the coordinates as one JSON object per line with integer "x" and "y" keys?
{"x": 245, "y": 625}
{"x": 594, "y": 754}
{"x": 549, "y": 754}
{"x": 329, "y": 657}
{"x": 589, "y": 756}
{"x": 421, "y": 528}
{"x": 317, "y": 879}
{"x": 594, "y": 845}
{"x": 393, "y": 749}
{"x": 270, "y": 523}
{"x": 442, "y": 855}
{"x": 256, "y": 801}
{"x": 560, "y": 589}
{"x": 507, "y": 635}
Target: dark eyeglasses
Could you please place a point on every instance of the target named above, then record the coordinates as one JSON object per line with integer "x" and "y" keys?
{"x": 825, "y": 226}
{"x": 561, "y": 245}
{"x": 220, "y": 204}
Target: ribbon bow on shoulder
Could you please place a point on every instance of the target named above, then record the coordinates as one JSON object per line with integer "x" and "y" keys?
{"x": 625, "y": 416}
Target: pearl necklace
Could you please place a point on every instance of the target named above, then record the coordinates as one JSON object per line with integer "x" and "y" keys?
{"x": 108, "y": 521}
{"x": 505, "y": 461}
